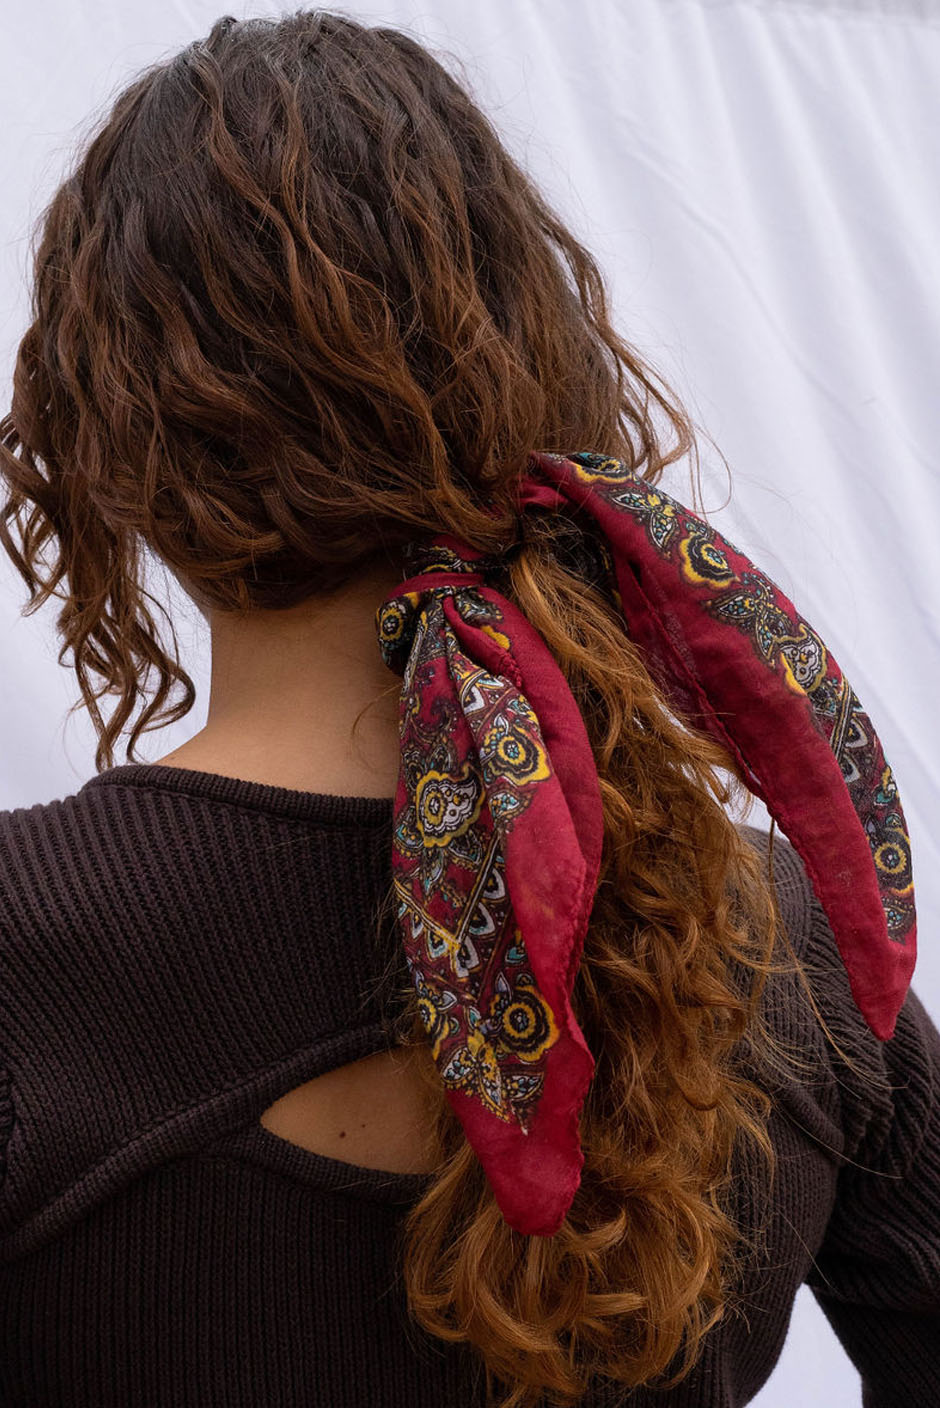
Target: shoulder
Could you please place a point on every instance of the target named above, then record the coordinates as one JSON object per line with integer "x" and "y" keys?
{"x": 119, "y": 1048}
{"x": 73, "y": 884}
{"x": 37, "y": 852}
{"x": 41, "y": 883}
{"x": 879, "y": 1093}
{"x": 782, "y": 865}
{"x": 54, "y": 861}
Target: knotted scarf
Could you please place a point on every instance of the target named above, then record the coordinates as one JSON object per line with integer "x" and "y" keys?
{"x": 498, "y": 823}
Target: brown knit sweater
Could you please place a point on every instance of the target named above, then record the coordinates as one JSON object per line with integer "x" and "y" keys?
{"x": 178, "y": 949}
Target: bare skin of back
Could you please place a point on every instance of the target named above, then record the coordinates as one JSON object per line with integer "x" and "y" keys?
{"x": 370, "y": 1112}
{"x": 285, "y": 691}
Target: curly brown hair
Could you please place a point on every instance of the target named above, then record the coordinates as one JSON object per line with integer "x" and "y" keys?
{"x": 294, "y": 306}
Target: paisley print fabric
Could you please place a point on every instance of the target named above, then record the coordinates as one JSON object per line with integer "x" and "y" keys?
{"x": 496, "y": 849}
{"x": 498, "y": 824}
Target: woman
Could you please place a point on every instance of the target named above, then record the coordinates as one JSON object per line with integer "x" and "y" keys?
{"x": 297, "y": 311}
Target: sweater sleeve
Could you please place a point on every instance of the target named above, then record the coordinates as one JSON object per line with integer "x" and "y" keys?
{"x": 876, "y": 1275}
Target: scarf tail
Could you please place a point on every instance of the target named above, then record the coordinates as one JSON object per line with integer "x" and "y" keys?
{"x": 736, "y": 659}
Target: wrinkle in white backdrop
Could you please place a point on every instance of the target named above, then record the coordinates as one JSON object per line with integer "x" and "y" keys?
{"x": 760, "y": 183}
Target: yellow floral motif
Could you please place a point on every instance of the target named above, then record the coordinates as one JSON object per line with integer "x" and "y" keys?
{"x": 536, "y": 1018}
{"x": 516, "y": 751}
{"x": 391, "y": 618}
{"x": 447, "y": 806}
{"x": 391, "y": 622}
{"x": 893, "y": 858}
{"x": 889, "y": 858}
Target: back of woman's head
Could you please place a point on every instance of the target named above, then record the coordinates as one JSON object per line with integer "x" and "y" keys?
{"x": 295, "y": 306}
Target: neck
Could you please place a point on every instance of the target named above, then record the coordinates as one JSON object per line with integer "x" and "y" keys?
{"x": 286, "y": 689}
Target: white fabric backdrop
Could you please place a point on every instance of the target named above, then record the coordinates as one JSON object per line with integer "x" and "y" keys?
{"x": 760, "y": 182}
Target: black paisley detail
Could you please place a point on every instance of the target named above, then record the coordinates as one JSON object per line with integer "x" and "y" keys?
{"x": 702, "y": 559}
{"x": 806, "y": 657}
{"x": 655, "y": 510}
{"x": 434, "y": 1009}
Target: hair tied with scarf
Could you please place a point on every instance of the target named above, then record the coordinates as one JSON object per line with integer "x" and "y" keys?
{"x": 498, "y": 823}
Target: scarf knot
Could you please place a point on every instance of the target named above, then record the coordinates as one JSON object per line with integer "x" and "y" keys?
{"x": 442, "y": 566}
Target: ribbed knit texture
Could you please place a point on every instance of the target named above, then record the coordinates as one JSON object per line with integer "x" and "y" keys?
{"x": 177, "y": 950}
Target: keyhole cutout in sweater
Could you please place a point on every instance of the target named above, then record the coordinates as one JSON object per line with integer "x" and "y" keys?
{"x": 372, "y": 1113}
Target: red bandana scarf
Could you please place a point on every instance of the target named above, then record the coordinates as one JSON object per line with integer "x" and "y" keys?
{"x": 498, "y": 824}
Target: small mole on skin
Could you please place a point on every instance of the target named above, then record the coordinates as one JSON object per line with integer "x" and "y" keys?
{"x": 342, "y": 1134}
